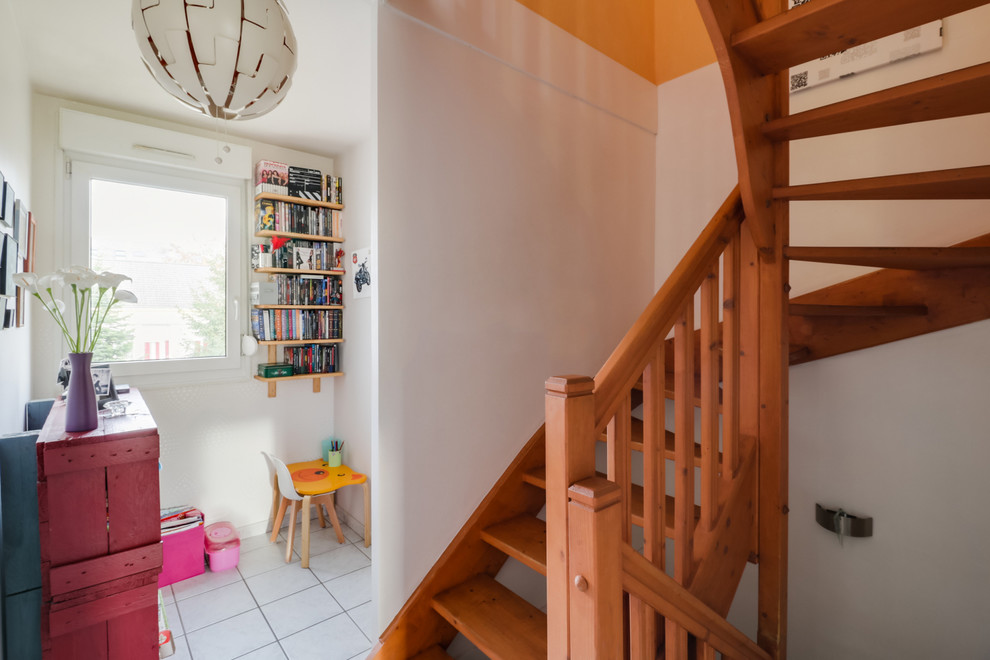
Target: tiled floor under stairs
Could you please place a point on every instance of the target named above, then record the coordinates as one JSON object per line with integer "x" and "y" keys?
{"x": 266, "y": 609}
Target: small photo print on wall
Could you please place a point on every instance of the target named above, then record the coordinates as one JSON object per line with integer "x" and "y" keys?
{"x": 362, "y": 272}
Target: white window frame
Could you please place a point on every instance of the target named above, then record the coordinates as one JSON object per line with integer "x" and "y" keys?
{"x": 85, "y": 167}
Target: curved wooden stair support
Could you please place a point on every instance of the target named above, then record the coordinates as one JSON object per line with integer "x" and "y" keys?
{"x": 606, "y": 599}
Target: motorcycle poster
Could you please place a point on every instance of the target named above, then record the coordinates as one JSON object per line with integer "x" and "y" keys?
{"x": 361, "y": 273}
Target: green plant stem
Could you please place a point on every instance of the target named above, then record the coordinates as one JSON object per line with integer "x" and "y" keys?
{"x": 55, "y": 314}
{"x": 78, "y": 305}
{"x": 99, "y": 327}
{"x": 94, "y": 321}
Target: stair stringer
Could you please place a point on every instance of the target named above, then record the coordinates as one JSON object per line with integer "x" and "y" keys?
{"x": 954, "y": 296}
{"x": 418, "y": 626}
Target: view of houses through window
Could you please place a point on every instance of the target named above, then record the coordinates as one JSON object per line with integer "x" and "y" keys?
{"x": 172, "y": 244}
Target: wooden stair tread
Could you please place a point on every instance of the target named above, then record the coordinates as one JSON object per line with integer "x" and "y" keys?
{"x": 636, "y": 510}
{"x": 432, "y": 653}
{"x": 501, "y": 624}
{"x": 954, "y": 94}
{"x": 523, "y": 537}
{"x": 538, "y": 477}
{"x": 636, "y": 442}
{"x": 904, "y": 258}
{"x": 959, "y": 183}
{"x": 858, "y": 310}
{"x": 822, "y": 27}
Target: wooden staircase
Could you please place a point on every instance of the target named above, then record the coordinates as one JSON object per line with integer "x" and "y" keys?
{"x": 606, "y": 599}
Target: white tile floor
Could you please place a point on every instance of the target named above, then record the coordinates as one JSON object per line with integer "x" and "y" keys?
{"x": 266, "y": 609}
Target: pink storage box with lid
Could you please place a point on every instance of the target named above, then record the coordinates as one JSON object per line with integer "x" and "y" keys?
{"x": 223, "y": 546}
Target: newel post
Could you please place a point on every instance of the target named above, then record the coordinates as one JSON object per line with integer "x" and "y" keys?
{"x": 570, "y": 415}
{"x": 595, "y": 529}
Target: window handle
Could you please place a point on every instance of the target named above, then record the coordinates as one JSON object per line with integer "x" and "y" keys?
{"x": 237, "y": 315}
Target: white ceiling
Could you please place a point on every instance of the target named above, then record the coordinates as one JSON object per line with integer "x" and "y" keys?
{"x": 84, "y": 50}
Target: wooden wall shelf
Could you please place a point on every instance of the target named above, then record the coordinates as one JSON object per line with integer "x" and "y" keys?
{"x": 269, "y": 233}
{"x": 273, "y": 382}
{"x": 298, "y": 200}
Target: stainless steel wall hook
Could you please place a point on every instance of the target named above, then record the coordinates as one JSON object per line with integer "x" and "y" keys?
{"x": 842, "y": 523}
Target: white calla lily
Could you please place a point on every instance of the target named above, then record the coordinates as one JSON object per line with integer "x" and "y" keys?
{"x": 108, "y": 280}
{"x": 26, "y": 281}
{"x": 90, "y": 307}
{"x": 81, "y": 280}
{"x": 50, "y": 281}
{"x": 123, "y": 295}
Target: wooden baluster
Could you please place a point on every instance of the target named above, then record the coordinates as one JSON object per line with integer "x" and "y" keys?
{"x": 676, "y": 640}
{"x": 730, "y": 361}
{"x": 709, "y": 398}
{"x": 594, "y": 518}
{"x": 570, "y": 415}
{"x": 642, "y": 618}
{"x": 619, "y": 460}
{"x": 619, "y": 470}
{"x": 773, "y": 470}
{"x": 749, "y": 349}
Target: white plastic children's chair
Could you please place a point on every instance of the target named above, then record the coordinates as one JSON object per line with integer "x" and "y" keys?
{"x": 282, "y": 481}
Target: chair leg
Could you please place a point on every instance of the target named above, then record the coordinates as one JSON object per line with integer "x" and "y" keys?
{"x": 319, "y": 512}
{"x": 305, "y": 531}
{"x": 367, "y": 514}
{"x": 292, "y": 530}
{"x": 332, "y": 512}
{"x": 277, "y": 525}
{"x": 274, "y": 511}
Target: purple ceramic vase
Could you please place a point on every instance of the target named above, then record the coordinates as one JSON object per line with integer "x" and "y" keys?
{"x": 80, "y": 404}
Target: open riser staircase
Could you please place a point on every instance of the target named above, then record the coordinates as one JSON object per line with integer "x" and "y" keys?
{"x": 717, "y": 340}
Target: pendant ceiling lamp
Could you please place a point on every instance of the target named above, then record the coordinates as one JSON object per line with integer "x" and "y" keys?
{"x": 230, "y": 59}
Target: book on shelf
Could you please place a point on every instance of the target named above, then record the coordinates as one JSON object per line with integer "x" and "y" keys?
{"x": 271, "y": 177}
{"x": 306, "y": 183}
{"x": 296, "y": 218}
{"x": 333, "y": 189}
{"x": 314, "y": 358}
{"x": 303, "y": 258}
{"x": 265, "y": 212}
{"x": 296, "y": 324}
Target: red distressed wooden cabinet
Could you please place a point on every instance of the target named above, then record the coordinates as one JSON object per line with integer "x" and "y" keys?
{"x": 100, "y": 536}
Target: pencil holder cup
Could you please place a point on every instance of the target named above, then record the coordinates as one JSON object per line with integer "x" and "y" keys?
{"x": 326, "y": 446}
{"x": 334, "y": 458}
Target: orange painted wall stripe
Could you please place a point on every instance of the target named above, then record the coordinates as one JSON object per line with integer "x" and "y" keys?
{"x": 657, "y": 39}
{"x": 621, "y": 29}
{"x": 682, "y": 42}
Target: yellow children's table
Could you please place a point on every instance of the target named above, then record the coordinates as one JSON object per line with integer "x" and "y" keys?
{"x": 315, "y": 477}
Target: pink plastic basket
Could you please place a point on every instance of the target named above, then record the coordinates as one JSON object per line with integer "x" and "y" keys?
{"x": 223, "y": 546}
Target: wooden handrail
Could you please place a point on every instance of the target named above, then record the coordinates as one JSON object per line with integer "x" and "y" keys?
{"x": 654, "y": 587}
{"x": 624, "y": 367}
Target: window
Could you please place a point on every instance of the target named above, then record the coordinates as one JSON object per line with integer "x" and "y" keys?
{"x": 178, "y": 237}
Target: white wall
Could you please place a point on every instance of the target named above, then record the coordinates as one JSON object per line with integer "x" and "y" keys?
{"x": 211, "y": 432}
{"x": 895, "y": 432}
{"x": 15, "y": 163}
{"x": 696, "y": 169}
{"x": 515, "y": 240}
{"x": 357, "y": 391}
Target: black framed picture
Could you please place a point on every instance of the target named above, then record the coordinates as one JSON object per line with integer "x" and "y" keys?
{"x": 20, "y": 227}
{"x": 6, "y": 208}
{"x": 8, "y": 265}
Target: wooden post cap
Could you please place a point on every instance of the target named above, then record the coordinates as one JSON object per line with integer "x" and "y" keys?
{"x": 570, "y": 385}
{"x": 595, "y": 493}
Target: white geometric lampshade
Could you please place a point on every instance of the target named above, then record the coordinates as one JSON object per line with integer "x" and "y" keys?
{"x": 231, "y": 59}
